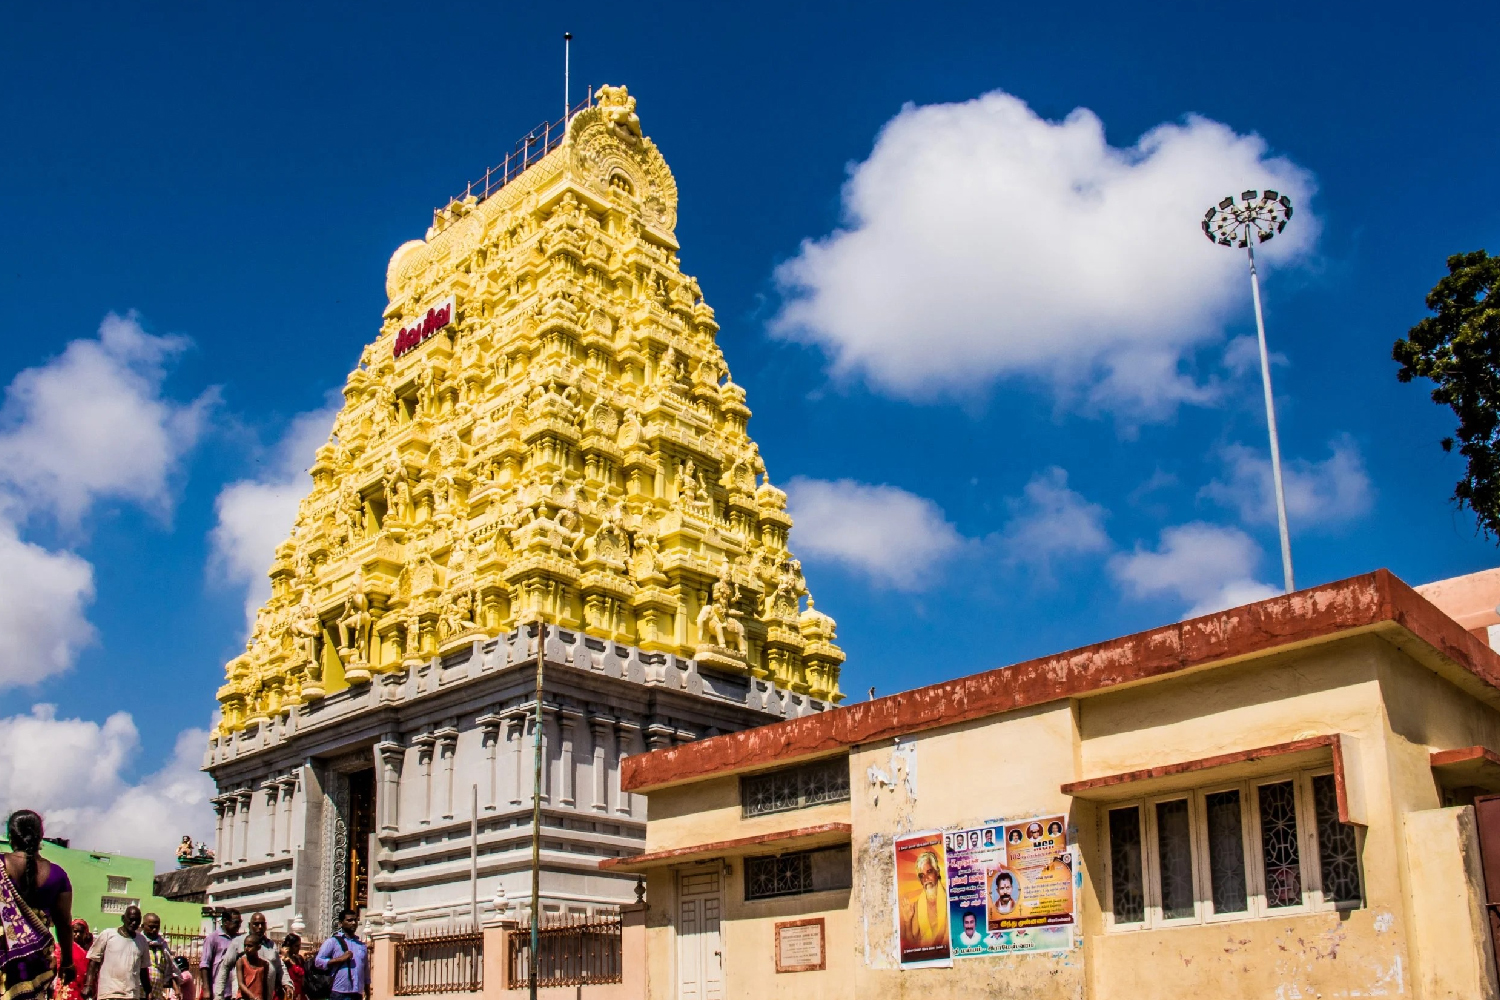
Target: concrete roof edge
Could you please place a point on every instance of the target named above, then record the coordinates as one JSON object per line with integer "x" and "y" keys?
{"x": 1374, "y": 601}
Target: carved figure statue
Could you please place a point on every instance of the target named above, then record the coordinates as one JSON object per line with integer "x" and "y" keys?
{"x": 351, "y": 512}
{"x": 456, "y": 615}
{"x": 442, "y": 496}
{"x": 568, "y": 525}
{"x": 719, "y": 620}
{"x": 691, "y": 496}
{"x": 411, "y": 631}
{"x": 306, "y": 630}
{"x": 384, "y": 414}
{"x": 609, "y": 542}
{"x": 397, "y": 491}
{"x": 449, "y": 447}
{"x": 354, "y": 624}
{"x": 646, "y": 556}
{"x": 427, "y": 386}
{"x": 458, "y": 553}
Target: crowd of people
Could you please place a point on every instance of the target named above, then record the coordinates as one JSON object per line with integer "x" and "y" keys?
{"x": 45, "y": 954}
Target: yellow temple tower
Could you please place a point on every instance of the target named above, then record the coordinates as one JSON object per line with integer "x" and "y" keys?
{"x": 544, "y": 428}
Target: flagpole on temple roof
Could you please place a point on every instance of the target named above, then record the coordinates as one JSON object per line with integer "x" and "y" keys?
{"x": 567, "y": 90}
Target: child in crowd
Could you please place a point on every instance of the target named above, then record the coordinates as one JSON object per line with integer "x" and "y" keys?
{"x": 253, "y": 970}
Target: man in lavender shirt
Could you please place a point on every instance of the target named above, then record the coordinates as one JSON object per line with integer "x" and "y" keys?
{"x": 345, "y": 955}
{"x": 215, "y": 947}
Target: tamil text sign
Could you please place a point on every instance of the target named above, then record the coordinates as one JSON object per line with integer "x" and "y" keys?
{"x": 424, "y": 326}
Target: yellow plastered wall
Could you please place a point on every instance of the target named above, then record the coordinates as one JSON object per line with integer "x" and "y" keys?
{"x": 1447, "y": 905}
{"x": 1012, "y": 766}
{"x": 708, "y": 812}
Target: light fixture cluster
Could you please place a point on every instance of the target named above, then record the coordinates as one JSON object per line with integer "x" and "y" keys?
{"x": 1231, "y": 223}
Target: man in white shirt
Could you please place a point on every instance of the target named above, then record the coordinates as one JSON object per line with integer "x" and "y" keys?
{"x": 970, "y": 937}
{"x": 120, "y": 961}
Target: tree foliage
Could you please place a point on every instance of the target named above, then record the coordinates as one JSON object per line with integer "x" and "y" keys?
{"x": 1459, "y": 349}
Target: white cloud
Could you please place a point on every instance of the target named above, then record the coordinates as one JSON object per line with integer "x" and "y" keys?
{"x": 42, "y": 599}
{"x": 93, "y": 424}
{"x": 1051, "y": 521}
{"x": 896, "y": 538}
{"x": 981, "y": 241}
{"x": 1333, "y": 491}
{"x": 73, "y": 772}
{"x": 90, "y": 425}
{"x": 256, "y": 515}
{"x": 1242, "y": 357}
{"x": 1211, "y": 567}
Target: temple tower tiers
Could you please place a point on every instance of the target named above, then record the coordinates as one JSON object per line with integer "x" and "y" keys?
{"x": 544, "y": 428}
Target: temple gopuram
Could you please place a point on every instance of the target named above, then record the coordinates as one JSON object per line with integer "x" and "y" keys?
{"x": 544, "y": 431}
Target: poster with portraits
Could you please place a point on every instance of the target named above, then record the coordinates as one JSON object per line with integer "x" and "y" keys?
{"x": 1011, "y": 887}
{"x": 922, "y": 907}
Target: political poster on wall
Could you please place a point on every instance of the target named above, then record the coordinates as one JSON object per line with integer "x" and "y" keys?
{"x": 1010, "y": 887}
{"x": 922, "y": 902}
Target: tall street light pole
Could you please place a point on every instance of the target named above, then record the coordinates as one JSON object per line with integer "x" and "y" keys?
{"x": 1255, "y": 218}
{"x": 536, "y": 811}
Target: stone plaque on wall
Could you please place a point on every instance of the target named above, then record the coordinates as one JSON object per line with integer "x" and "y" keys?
{"x": 799, "y": 945}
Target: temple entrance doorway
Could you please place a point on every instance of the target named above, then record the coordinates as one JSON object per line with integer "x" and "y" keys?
{"x": 361, "y": 829}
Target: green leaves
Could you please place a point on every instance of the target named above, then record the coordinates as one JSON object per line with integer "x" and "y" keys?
{"x": 1459, "y": 349}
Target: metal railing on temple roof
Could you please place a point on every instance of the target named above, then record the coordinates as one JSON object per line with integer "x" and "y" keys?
{"x": 529, "y": 149}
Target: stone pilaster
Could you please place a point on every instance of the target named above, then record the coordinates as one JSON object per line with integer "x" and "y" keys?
{"x": 602, "y": 728}
{"x": 492, "y": 731}
{"x": 390, "y": 756}
{"x": 447, "y": 746}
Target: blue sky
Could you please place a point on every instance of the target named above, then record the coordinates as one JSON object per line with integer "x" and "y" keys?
{"x": 1049, "y": 449}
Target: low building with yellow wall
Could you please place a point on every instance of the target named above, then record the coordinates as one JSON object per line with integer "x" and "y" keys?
{"x": 1278, "y": 800}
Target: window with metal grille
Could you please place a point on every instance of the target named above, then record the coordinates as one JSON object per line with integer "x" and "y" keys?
{"x": 118, "y": 883}
{"x": 1338, "y": 845}
{"x": 1174, "y": 849}
{"x": 799, "y": 872}
{"x": 1278, "y": 844}
{"x": 1125, "y": 870}
{"x": 1231, "y": 852}
{"x": 1226, "y": 851}
{"x": 795, "y": 787}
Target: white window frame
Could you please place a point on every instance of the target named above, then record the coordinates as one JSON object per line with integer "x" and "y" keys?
{"x": 1249, "y": 839}
{"x": 1256, "y": 909}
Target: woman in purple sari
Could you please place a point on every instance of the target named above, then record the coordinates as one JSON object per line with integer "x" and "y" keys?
{"x": 35, "y": 898}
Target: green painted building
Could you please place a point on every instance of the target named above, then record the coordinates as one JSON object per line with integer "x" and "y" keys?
{"x": 104, "y": 884}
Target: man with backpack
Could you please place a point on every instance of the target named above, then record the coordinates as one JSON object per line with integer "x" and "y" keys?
{"x": 346, "y": 957}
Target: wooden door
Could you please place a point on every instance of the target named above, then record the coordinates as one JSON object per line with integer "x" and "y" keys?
{"x": 1487, "y": 810}
{"x": 700, "y": 946}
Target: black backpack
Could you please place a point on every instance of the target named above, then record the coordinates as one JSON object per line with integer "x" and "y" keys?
{"x": 317, "y": 984}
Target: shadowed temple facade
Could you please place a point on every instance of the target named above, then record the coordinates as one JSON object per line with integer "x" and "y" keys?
{"x": 543, "y": 430}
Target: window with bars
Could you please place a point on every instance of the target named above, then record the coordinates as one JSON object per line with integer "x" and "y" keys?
{"x": 799, "y": 872}
{"x": 1251, "y": 849}
{"x": 795, "y": 787}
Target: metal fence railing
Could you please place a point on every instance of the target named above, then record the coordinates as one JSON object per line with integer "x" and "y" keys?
{"x": 531, "y": 147}
{"x": 185, "y": 942}
{"x": 440, "y": 963}
{"x": 575, "y": 951}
